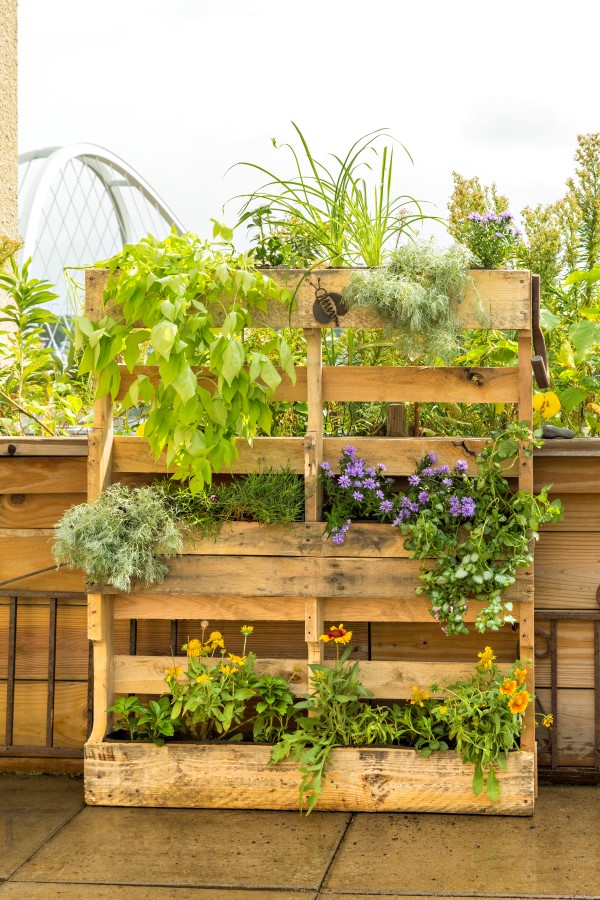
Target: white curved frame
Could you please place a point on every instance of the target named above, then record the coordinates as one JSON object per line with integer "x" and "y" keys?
{"x": 98, "y": 159}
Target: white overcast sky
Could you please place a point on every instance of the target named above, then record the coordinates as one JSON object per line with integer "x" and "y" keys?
{"x": 182, "y": 89}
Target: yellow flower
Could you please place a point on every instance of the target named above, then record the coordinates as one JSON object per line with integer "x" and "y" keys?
{"x": 202, "y": 679}
{"x": 238, "y": 660}
{"x": 519, "y": 702}
{"x": 227, "y": 670}
{"x": 508, "y": 687}
{"x": 486, "y": 659}
{"x": 418, "y": 696}
{"x": 215, "y": 640}
{"x": 548, "y": 721}
{"x": 193, "y": 647}
{"x": 339, "y": 635}
{"x": 547, "y": 404}
{"x": 520, "y": 675}
{"x": 174, "y": 672}
{"x": 247, "y": 629}
{"x": 442, "y": 710}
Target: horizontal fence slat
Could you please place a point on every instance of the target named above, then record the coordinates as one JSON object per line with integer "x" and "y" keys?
{"x": 39, "y": 475}
{"x": 567, "y": 571}
{"x": 499, "y": 299}
{"x": 35, "y": 510}
{"x": 15, "y": 447}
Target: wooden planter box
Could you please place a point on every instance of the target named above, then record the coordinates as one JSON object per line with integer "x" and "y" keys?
{"x": 252, "y": 573}
{"x": 237, "y": 776}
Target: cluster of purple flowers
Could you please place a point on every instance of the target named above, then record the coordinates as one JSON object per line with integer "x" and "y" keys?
{"x": 357, "y": 491}
{"x": 433, "y": 484}
{"x": 491, "y": 237}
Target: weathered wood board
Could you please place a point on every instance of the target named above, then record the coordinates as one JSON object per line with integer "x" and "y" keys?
{"x": 238, "y": 777}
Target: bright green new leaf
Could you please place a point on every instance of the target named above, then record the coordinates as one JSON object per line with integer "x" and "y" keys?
{"x": 269, "y": 374}
{"x": 548, "y": 320}
{"x": 585, "y": 334}
{"x": 571, "y": 397}
{"x": 185, "y": 383}
{"x": 233, "y": 360}
{"x": 162, "y": 337}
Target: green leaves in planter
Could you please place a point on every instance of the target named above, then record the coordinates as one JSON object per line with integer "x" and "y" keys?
{"x": 210, "y": 390}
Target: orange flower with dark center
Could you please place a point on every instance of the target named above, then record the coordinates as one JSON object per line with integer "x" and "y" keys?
{"x": 519, "y": 702}
{"x": 339, "y": 635}
{"x": 508, "y": 687}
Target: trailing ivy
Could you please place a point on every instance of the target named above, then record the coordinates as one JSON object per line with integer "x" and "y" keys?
{"x": 167, "y": 295}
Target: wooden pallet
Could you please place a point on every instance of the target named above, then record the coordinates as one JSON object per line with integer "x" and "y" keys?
{"x": 255, "y": 573}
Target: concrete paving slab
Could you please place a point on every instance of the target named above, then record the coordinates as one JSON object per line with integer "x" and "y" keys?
{"x": 29, "y": 891}
{"x": 195, "y": 847}
{"x": 31, "y": 810}
{"x": 554, "y": 854}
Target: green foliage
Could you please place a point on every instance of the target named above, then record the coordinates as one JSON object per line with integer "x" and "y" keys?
{"x": 412, "y": 296}
{"x": 338, "y": 216}
{"x": 157, "y": 721}
{"x": 356, "y": 491}
{"x": 468, "y": 196}
{"x": 127, "y": 711}
{"x": 118, "y": 537}
{"x": 477, "y": 531}
{"x": 289, "y": 243}
{"x": 270, "y": 497}
{"x": 175, "y": 288}
{"x": 38, "y": 393}
{"x": 492, "y": 238}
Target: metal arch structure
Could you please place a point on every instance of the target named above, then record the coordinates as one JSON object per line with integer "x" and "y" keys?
{"x": 100, "y": 161}
{"x": 80, "y": 203}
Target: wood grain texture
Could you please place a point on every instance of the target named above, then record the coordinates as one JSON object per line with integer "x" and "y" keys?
{"x": 40, "y": 475}
{"x": 503, "y": 296}
{"x": 567, "y": 571}
{"x": 31, "y": 660}
{"x": 574, "y": 723}
{"x": 43, "y": 446}
{"x": 70, "y": 713}
{"x": 35, "y": 510}
{"x": 22, "y": 555}
{"x": 239, "y": 777}
{"x": 581, "y": 512}
{"x": 575, "y": 654}
{"x": 580, "y": 475}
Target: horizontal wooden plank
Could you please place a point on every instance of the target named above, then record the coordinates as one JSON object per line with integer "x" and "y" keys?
{"x": 382, "y": 383}
{"x": 579, "y": 475}
{"x": 581, "y": 513}
{"x": 20, "y": 556}
{"x": 387, "y": 680}
{"x": 45, "y": 765}
{"x": 35, "y": 510}
{"x": 569, "y": 447}
{"x": 567, "y": 571}
{"x": 394, "y": 579}
{"x": 70, "y": 714}
{"x": 423, "y": 642}
{"x": 504, "y": 298}
{"x": 43, "y": 475}
{"x": 574, "y": 724}
{"x": 32, "y": 641}
{"x": 238, "y": 776}
{"x": 575, "y": 654}
{"x": 43, "y": 446}
{"x": 399, "y": 455}
{"x": 299, "y": 539}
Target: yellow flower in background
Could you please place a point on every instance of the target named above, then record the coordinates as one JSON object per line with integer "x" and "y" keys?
{"x": 247, "y": 629}
{"x": 174, "y": 672}
{"x": 238, "y": 660}
{"x": 227, "y": 670}
{"x": 508, "y": 687}
{"x": 193, "y": 647}
{"x": 418, "y": 696}
{"x": 520, "y": 675}
{"x": 215, "y": 639}
{"x": 202, "y": 679}
{"x": 442, "y": 710}
{"x": 339, "y": 635}
{"x": 548, "y": 721}
{"x": 547, "y": 404}
{"x": 486, "y": 658}
{"x": 519, "y": 702}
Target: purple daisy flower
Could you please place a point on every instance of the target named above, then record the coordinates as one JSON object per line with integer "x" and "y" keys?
{"x": 379, "y": 495}
{"x": 432, "y": 458}
{"x": 386, "y": 506}
{"x": 454, "y": 506}
{"x": 441, "y": 470}
{"x": 423, "y": 497}
{"x": 461, "y": 466}
{"x": 468, "y": 507}
{"x": 357, "y": 495}
{"x": 370, "y": 483}
{"x": 381, "y": 468}
{"x": 447, "y": 482}
{"x": 414, "y": 480}
{"x": 349, "y": 450}
{"x": 325, "y": 466}
{"x": 338, "y": 538}
{"x": 427, "y": 471}
{"x": 344, "y": 481}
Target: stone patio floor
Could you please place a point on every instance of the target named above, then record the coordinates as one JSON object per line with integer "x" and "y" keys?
{"x": 52, "y": 845}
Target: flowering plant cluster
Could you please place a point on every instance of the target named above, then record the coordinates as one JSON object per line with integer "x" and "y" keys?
{"x": 475, "y": 532}
{"x": 492, "y": 238}
{"x": 357, "y": 491}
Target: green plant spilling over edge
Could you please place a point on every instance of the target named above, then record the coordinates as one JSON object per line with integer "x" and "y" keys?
{"x": 167, "y": 293}
{"x": 123, "y": 533}
{"x": 475, "y": 530}
{"x": 329, "y": 207}
{"x": 412, "y": 296}
{"x": 220, "y": 696}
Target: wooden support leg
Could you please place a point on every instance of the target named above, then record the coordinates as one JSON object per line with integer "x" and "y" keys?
{"x": 314, "y": 627}
{"x": 100, "y": 632}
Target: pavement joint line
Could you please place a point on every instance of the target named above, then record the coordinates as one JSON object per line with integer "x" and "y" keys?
{"x": 266, "y": 888}
{"x": 335, "y": 853}
{"x": 462, "y": 895}
{"x": 46, "y": 840}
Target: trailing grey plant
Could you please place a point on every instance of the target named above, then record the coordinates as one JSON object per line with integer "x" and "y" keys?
{"x": 120, "y": 536}
{"x": 412, "y": 296}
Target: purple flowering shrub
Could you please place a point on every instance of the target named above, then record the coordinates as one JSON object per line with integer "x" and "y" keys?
{"x": 357, "y": 491}
{"x": 492, "y": 238}
{"x": 476, "y": 530}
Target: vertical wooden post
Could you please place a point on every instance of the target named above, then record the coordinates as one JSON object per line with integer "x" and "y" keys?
{"x": 100, "y": 606}
{"x": 313, "y": 456}
{"x": 396, "y": 420}
{"x": 526, "y": 623}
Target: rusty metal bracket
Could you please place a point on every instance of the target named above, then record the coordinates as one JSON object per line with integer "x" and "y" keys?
{"x": 539, "y": 362}
{"x": 328, "y": 305}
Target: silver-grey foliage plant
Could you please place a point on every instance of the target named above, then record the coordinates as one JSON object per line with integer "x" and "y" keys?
{"x": 412, "y": 295}
{"x": 118, "y": 537}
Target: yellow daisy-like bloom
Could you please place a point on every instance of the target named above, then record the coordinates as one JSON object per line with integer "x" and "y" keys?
{"x": 418, "y": 696}
{"x": 548, "y": 721}
{"x": 519, "y": 702}
{"x": 486, "y": 658}
{"x": 508, "y": 687}
{"x": 520, "y": 675}
{"x": 442, "y": 710}
{"x": 339, "y": 635}
{"x": 202, "y": 679}
{"x": 227, "y": 670}
{"x": 174, "y": 672}
{"x": 193, "y": 647}
{"x": 247, "y": 629}
{"x": 215, "y": 639}
{"x": 547, "y": 404}
{"x": 238, "y": 660}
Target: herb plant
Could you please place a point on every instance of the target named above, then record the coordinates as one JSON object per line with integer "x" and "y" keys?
{"x": 210, "y": 391}
{"x": 119, "y": 536}
{"x": 492, "y": 238}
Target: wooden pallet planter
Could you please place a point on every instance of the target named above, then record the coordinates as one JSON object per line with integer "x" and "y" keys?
{"x": 260, "y": 574}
